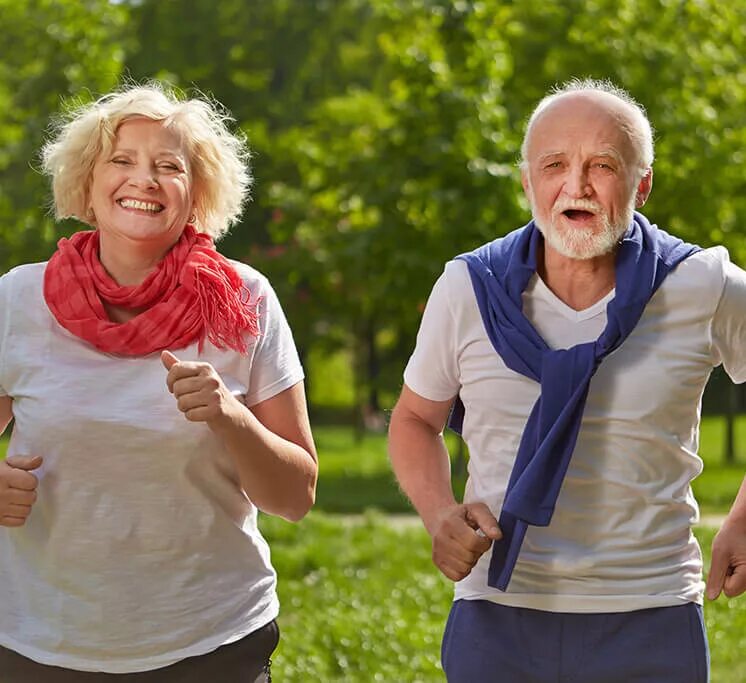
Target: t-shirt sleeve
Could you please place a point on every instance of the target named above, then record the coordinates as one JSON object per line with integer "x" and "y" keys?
{"x": 275, "y": 365}
{"x": 729, "y": 324}
{"x": 432, "y": 370}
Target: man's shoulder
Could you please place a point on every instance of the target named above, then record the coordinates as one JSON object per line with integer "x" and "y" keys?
{"x": 699, "y": 279}
{"x": 711, "y": 261}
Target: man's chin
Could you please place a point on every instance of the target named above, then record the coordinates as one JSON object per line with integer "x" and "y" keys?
{"x": 582, "y": 246}
{"x": 587, "y": 240}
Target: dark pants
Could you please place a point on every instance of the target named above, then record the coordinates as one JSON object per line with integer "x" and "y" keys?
{"x": 489, "y": 643}
{"x": 245, "y": 661}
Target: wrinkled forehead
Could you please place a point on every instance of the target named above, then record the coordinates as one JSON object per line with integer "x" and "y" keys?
{"x": 590, "y": 122}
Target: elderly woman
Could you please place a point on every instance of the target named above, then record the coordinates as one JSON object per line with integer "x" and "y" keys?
{"x": 158, "y": 402}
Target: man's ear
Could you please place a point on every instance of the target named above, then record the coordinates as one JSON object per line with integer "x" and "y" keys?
{"x": 525, "y": 183}
{"x": 644, "y": 187}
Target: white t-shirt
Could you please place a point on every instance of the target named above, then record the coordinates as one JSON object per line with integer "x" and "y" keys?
{"x": 142, "y": 548}
{"x": 620, "y": 538}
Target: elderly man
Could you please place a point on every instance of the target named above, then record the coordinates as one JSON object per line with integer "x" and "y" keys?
{"x": 573, "y": 353}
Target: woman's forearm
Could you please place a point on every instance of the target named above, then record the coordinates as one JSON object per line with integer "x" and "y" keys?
{"x": 278, "y": 475}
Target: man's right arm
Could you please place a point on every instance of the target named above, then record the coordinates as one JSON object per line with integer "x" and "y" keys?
{"x": 461, "y": 533}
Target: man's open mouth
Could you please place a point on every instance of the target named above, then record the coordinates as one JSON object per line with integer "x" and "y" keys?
{"x": 578, "y": 214}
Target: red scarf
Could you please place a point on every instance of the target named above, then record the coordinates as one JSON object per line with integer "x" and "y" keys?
{"x": 193, "y": 293}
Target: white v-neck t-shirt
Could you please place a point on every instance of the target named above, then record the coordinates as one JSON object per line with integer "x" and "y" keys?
{"x": 620, "y": 538}
{"x": 141, "y": 549}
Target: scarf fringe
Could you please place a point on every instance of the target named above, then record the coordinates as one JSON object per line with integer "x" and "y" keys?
{"x": 224, "y": 306}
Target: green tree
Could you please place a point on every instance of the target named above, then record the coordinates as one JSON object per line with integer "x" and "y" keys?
{"x": 52, "y": 50}
{"x": 385, "y": 131}
{"x": 399, "y": 170}
{"x": 404, "y": 168}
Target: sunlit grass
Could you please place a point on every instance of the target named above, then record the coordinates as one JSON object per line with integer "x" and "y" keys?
{"x": 362, "y": 602}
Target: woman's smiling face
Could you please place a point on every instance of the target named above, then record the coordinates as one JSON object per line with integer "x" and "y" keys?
{"x": 141, "y": 190}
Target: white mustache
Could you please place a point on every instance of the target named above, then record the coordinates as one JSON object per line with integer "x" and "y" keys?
{"x": 577, "y": 205}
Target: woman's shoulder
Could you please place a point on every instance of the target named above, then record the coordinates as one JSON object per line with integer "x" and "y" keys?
{"x": 24, "y": 276}
{"x": 255, "y": 282}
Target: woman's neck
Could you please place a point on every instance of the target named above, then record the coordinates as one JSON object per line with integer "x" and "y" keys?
{"x": 129, "y": 262}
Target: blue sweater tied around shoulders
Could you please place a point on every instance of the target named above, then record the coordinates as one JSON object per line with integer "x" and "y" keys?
{"x": 500, "y": 272}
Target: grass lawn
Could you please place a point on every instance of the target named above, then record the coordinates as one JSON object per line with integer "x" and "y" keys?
{"x": 362, "y": 602}
{"x": 355, "y": 476}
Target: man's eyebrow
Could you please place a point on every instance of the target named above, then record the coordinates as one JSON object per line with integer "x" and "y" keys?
{"x": 611, "y": 152}
{"x": 548, "y": 155}
{"x": 606, "y": 152}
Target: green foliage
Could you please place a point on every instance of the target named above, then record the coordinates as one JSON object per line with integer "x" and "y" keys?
{"x": 716, "y": 487}
{"x": 399, "y": 169}
{"x": 385, "y": 131}
{"x": 330, "y": 380}
{"x": 361, "y": 602}
{"x": 355, "y": 475}
{"x": 52, "y": 50}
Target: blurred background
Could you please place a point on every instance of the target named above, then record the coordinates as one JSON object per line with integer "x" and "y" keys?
{"x": 385, "y": 136}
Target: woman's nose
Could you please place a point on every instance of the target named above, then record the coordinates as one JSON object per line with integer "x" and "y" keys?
{"x": 143, "y": 177}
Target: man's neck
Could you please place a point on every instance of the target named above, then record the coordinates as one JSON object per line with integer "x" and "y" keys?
{"x": 579, "y": 283}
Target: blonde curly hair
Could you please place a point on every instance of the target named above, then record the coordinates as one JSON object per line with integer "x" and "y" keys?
{"x": 219, "y": 159}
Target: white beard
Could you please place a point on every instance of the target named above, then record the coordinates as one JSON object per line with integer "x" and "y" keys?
{"x": 580, "y": 243}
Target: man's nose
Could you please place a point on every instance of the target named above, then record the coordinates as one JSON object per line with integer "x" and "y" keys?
{"x": 576, "y": 182}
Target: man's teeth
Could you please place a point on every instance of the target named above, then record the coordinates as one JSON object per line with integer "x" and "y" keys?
{"x": 142, "y": 206}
